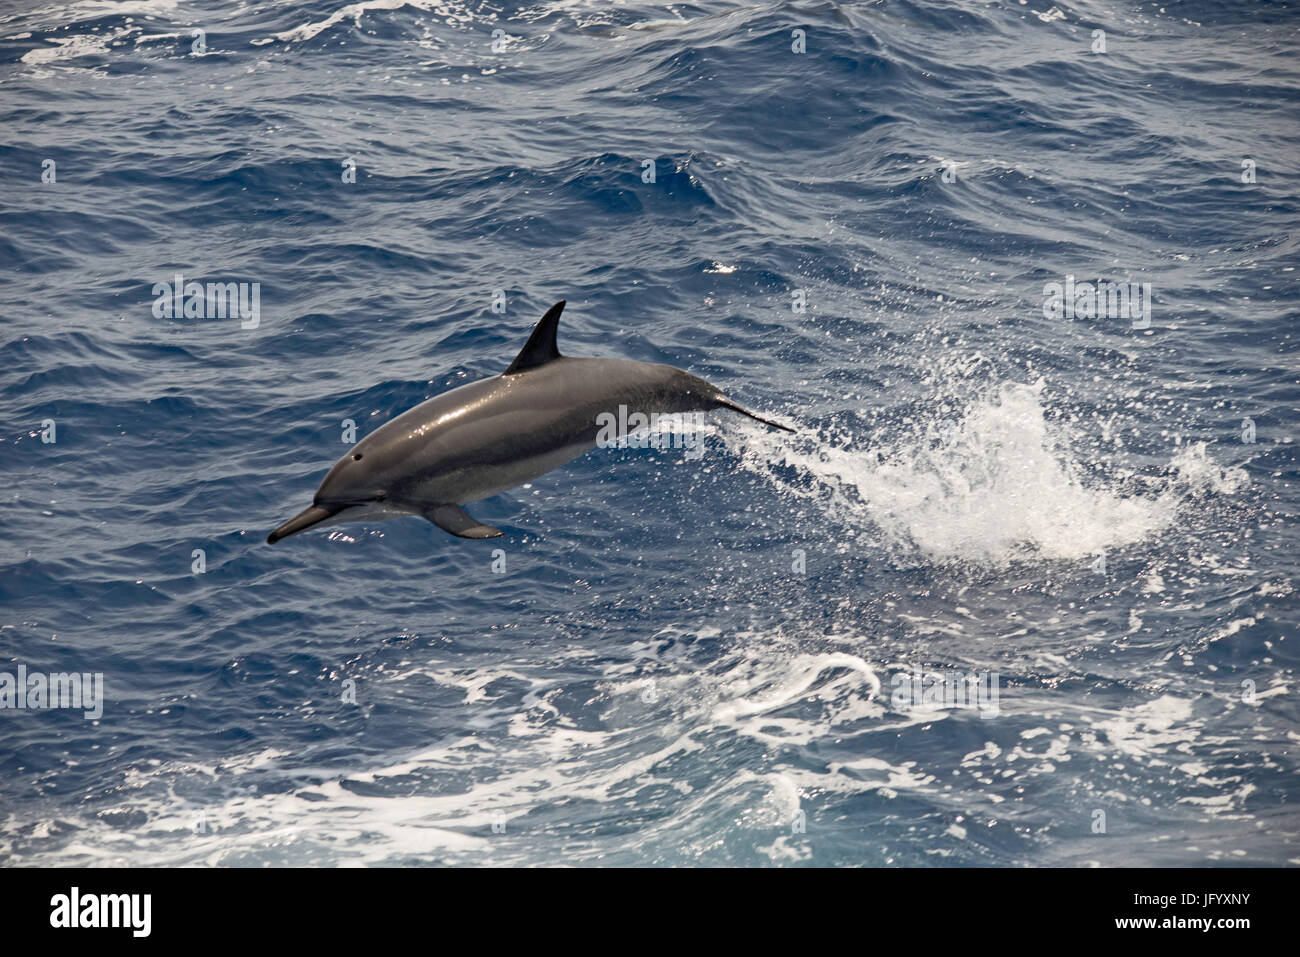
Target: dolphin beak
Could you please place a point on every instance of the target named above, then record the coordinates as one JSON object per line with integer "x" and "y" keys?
{"x": 303, "y": 521}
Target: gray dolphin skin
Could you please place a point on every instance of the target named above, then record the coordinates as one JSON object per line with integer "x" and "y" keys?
{"x": 495, "y": 434}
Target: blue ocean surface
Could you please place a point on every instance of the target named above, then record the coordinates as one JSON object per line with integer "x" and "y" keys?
{"x": 857, "y": 218}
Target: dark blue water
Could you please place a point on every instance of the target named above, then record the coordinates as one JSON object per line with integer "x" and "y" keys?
{"x": 683, "y": 661}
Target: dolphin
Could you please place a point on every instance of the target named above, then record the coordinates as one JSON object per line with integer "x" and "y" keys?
{"x": 495, "y": 434}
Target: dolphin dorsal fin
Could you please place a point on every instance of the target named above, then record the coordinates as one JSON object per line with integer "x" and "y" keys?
{"x": 540, "y": 348}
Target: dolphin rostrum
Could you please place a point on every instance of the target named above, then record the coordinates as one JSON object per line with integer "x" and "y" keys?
{"x": 494, "y": 434}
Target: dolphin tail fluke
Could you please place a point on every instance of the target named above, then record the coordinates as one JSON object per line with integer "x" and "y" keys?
{"x": 728, "y": 404}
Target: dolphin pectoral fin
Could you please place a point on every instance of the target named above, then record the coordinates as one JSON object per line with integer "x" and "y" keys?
{"x": 454, "y": 519}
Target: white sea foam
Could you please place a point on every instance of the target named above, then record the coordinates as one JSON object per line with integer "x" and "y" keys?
{"x": 447, "y": 11}
{"x": 539, "y": 762}
{"x": 998, "y": 483}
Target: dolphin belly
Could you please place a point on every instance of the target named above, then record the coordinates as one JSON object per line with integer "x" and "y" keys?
{"x": 476, "y": 482}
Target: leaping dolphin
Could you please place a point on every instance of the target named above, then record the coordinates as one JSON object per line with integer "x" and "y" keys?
{"x": 494, "y": 434}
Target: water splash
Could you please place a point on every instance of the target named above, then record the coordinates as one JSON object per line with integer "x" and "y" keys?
{"x": 995, "y": 485}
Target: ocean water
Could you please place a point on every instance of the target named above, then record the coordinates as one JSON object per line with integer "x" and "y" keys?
{"x": 670, "y": 660}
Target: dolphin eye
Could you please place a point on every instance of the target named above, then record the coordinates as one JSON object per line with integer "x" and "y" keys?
{"x": 357, "y": 457}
